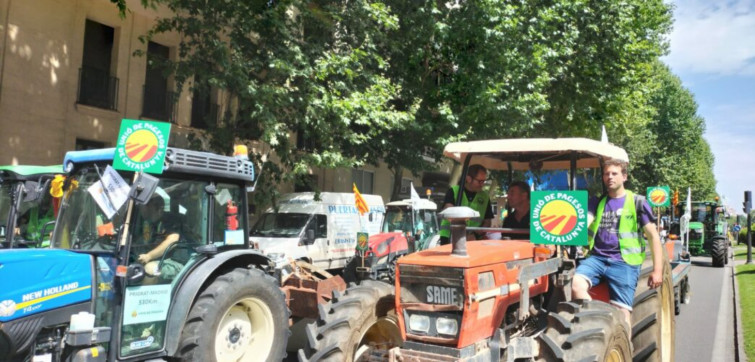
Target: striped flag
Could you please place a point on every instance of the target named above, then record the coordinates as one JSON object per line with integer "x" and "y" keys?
{"x": 359, "y": 201}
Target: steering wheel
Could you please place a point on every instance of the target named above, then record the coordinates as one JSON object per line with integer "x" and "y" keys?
{"x": 92, "y": 241}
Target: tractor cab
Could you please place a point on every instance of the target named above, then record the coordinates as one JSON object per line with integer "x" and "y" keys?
{"x": 26, "y": 205}
{"x": 417, "y": 219}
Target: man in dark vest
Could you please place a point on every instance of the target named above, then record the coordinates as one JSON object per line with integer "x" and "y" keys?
{"x": 616, "y": 247}
{"x": 475, "y": 198}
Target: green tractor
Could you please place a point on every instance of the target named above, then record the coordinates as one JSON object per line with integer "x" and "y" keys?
{"x": 26, "y": 205}
{"x": 707, "y": 231}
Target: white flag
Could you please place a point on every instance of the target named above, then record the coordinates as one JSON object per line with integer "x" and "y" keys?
{"x": 604, "y": 135}
{"x": 415, "y": 195}
{"x": 684, "y": 221}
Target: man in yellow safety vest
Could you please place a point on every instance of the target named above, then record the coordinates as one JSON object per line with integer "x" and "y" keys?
{"x": 616, "y": 246}
{"x": 475, "y": 198}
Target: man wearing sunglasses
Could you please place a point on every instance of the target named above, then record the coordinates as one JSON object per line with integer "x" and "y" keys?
{"x": 475, "y": 198}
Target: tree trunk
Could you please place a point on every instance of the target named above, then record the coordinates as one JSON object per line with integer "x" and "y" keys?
{"x": 398, "y": 172}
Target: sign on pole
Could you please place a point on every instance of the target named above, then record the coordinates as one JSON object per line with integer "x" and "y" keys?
{"x": 141, "y": 146}
{"x": 558, "y": 217}
{"x": 659, "y": 196}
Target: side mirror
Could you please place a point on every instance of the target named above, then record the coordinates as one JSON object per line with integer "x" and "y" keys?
{"x": 143, "y": 188}
{"x": 370, "y": 216}
{"x": 309, "y": 237}
{"x": 32, "y": 192}
{"x": 135, "y": 273}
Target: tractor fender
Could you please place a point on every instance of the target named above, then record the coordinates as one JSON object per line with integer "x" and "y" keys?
{"x": 193, "y": 283}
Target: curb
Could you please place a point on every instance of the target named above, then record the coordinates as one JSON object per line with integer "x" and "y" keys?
{"x": 739, "y": 351}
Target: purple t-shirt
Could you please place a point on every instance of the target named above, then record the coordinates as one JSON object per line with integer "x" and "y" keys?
{"x": 607, "y": 237}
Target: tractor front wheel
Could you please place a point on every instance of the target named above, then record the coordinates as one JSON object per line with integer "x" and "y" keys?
{"x": 240, "y": 316}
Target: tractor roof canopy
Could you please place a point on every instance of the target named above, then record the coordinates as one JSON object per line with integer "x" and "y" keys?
{"x": 525, "y": 154}
{"x": 28, "y": 172}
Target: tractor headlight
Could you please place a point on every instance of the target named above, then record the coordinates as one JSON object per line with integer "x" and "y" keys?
{"x": 446, "y": 326}
{"x": 419, "y": 323}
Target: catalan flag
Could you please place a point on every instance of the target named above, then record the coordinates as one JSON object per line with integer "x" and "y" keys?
{"x": 359, "y": 201}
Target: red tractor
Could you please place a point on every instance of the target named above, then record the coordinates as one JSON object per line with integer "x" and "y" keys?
{"x": 493, "y": 300}
{"x": 408, "y": 226}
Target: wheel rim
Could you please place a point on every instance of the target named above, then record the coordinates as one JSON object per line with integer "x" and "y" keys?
{"x": 615, "y": 355}
{"x": 245, "y": 327}
{"x": 383, "y": 335}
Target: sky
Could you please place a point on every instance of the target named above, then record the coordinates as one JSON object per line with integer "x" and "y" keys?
{"x": 712, "y": 50}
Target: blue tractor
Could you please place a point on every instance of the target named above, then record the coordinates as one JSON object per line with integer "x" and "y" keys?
{"x": 145, "y": 267}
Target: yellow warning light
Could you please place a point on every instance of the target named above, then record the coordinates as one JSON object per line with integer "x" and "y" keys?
{"x": 240, "y": 151}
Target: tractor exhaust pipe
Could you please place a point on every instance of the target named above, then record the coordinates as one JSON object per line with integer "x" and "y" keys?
{"x": 458, "y": 216}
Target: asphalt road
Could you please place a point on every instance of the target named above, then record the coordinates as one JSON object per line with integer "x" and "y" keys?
{"x": 705, "y": 327}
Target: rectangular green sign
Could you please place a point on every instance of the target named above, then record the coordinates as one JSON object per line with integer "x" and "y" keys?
{"x": 558, "y": 217}
{"x": 141, "y": 146}
{"x": 659, "y": 196}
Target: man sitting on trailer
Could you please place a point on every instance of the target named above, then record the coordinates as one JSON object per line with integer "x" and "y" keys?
{"x": 616, "y": 247}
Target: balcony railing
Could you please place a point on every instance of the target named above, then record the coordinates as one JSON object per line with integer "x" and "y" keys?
{"x": 159, "y": 105}
{"x": 97, "y": 88}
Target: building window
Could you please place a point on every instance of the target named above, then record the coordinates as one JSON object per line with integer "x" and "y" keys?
{"x": 363, "y": 180}
{"x": 406, "y": 185}
{"x": 82, "y": 144}
{"x": 305, "y": 183}
{"x": 203, "y": 112}
{"x": 96, "y": 86}
{"x": 158, "y": 102}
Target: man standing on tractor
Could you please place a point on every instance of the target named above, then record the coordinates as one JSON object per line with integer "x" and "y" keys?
{"x": 616, "y": 246}
{"x": 475, "y": 198}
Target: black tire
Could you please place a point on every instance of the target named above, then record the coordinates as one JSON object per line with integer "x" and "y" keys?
{"x": 585, "y": 331}
{"x": 685, "y": 295}
{"x": 248, "y": 307}
{"x": 364, "y": 316}
{"x": 718, "y": 252}
{"x": 653, "y": 325}
{"x": 677, "y": 300}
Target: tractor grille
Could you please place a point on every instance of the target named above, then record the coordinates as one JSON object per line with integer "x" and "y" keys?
{"x": 203, "y": 163}
{"x": 432, "y": 285}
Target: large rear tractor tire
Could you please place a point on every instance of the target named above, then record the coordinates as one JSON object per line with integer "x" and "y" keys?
{"x": 718, "y": 252}
{"x": 240, "y": 316}
{"x": 585, "y": 331}
{"x": 653, "y": 325}
{"x": 354, "y": 326}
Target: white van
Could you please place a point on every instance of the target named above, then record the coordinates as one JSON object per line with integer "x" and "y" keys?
{"x": 322, "y": 232}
